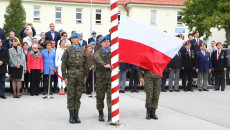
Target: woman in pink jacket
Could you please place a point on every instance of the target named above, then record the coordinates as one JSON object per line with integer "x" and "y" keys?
{"x": 34, "y": 67}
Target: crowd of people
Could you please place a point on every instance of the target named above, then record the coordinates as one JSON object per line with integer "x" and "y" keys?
{"x": 29, "y": 60}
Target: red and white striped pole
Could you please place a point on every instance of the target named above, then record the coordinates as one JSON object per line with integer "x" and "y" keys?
{"x": 114, "y": 62}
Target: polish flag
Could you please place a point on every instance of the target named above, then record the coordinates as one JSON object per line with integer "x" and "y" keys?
{"x": 146, "y": 47}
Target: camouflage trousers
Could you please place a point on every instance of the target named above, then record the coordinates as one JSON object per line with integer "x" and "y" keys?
{"x": 103, "y": 86}
{"x": 74, "y": 92}
{"x": 152, "y": 89}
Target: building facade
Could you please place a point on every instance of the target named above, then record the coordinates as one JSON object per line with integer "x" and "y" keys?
{"x": 75, "y": 15}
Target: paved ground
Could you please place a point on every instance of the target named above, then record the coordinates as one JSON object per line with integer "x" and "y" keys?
{"x": 177, "y": 111}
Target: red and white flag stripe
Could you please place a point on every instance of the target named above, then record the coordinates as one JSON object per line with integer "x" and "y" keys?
{"x": 147, "y": 47}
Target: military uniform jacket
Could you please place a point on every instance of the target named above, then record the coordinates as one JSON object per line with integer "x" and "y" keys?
{"x": 74, "y": 63}
{"x": 187, "y": 61}
{"x": 102, "y": 58}
{"x": 220, "y": 63}
{"x": 148, "y": 74}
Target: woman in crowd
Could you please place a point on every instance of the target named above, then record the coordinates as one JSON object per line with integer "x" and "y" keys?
{"x": 26, "y": 75}
{"x": 48, "y": 56}
{"x": 17, "y": 61}
{"x": 98, "y": 45}
{"x": 34, "y": 67}
{"x": 64, "y": 37}
{"x": 59, "y": 53}
{"x": 42, "y": 41}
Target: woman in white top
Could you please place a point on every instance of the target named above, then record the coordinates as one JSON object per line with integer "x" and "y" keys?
{"x": 64, "y": 37}
{"x": 59, "y": 53}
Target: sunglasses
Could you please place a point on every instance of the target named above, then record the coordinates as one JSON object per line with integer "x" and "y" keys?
{"x": 65, "y": 35}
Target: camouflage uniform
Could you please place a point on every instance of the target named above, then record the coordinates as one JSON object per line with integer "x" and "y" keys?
{"x": 103, "y": 78}
{"x": 75, "y": 69}
{"x": 152, "y": 88}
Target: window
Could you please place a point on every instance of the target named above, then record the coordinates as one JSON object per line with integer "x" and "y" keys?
{"x": 36, "y": 13}
{"x": 153, "y": 16}
{"x": 179, "y": 17}
{"x": 79, "y": 15}
{"x": 98, "y": 16}
{"x": 58, "y": 14}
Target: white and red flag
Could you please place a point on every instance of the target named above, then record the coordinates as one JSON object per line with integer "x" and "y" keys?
{"x": 147, "y": 47}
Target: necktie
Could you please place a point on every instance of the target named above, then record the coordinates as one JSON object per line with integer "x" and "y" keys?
{"x": 203, "y": 53}
{"x": 188, "y": 52}
{"x": 218, "y": 54}
{"x": 197, "y": 41}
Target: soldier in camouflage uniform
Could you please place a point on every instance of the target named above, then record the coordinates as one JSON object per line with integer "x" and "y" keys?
{"x": 152, "y": 85}
{"x": 74, "y": 71}
{"x": 103, "y": 63}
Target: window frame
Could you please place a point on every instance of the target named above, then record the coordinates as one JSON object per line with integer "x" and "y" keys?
{"x": 58, "y": 20}
{"x": 96, "y": 20}
{"x": 37, "y": 9}
{"x": 80, "y": 12}
{"x": 153, "y": 21}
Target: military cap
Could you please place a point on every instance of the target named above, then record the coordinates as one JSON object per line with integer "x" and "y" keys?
{"x": 75, "y": 35}
{"x": 104, "y": 38}
{"x": 218, "y": 43}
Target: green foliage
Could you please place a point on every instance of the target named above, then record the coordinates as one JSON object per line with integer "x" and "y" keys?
{"x": 203, "y": 15}
{"x": 15, "y": 17}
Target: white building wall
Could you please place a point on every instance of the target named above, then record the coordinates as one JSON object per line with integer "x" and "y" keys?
{"x": 166, "y": 17}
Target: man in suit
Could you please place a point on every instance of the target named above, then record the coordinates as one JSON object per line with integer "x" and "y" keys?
{"x": 174, "y": 69}
{"x": 228, "y": 68}
{"x": 211, "y": 76}
{"x": 219, "y": 65}
{"x": 52, "y": 34}
{"x": 196, "y": 42}
{"x": 187, "y": 63}
{"x": 203, "y": 67}
{"x": 93, "y": 38}
{"x": 2, "y": 35}
{"x": 4, "y": 58}
{"x": 122, "y": 76}
{"x": 82, "y": 43}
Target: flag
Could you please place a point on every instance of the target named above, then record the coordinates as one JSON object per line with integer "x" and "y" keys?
{"x": 146, "y": 47}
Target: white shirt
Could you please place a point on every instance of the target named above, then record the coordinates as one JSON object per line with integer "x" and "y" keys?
{"x": 28, "y": 40}
{"x": 58, "y": 57}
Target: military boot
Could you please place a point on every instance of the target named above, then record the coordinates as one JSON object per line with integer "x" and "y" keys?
{"x": 109, "y": 116}
{"x": 153, "y": 114}
{"x": 101, "y": 116}
{"x": 77, "y": 120}
{"x": 148, "y": 114}
{"x": 71, "y": 118}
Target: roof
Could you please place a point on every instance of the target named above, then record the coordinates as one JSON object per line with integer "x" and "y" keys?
{"x": 124, "y": 2}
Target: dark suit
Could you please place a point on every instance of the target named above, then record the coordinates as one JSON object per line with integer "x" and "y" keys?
{"x": 56, "y": 38}
{"x": 194, "y": 45}
{"x": 2, "y": 35}
{"x": 91, "y": 40}
{"x": 133, "y": 77}
{"x": 219, "y": 64}
{"x": 188, "y": 62}
{"x": 84, "y": 44}
{"x": 4, "y": 57}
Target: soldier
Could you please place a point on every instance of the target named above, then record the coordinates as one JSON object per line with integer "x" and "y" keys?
{"x": 103, "y": 62}
{"x": 196, "y": 42}
{"x": 74, "y": 71}
{"x": 152, "y": 84}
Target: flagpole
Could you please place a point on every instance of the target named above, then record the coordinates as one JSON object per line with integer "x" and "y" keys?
{"x": 114, "y": 62}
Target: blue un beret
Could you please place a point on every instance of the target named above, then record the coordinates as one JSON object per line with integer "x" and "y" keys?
{"x": 104, "y": 38}
{"x": 60, "y": 30}
{"x": 92, "y": 43}
{"x": 93, "y": 32}
{"x": 74, "y": 35}
{"x": 80, "y": 33}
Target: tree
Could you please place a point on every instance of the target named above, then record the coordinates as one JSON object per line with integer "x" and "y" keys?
{"x": 203, "y": 15}
{"x": 15, "y": 17}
